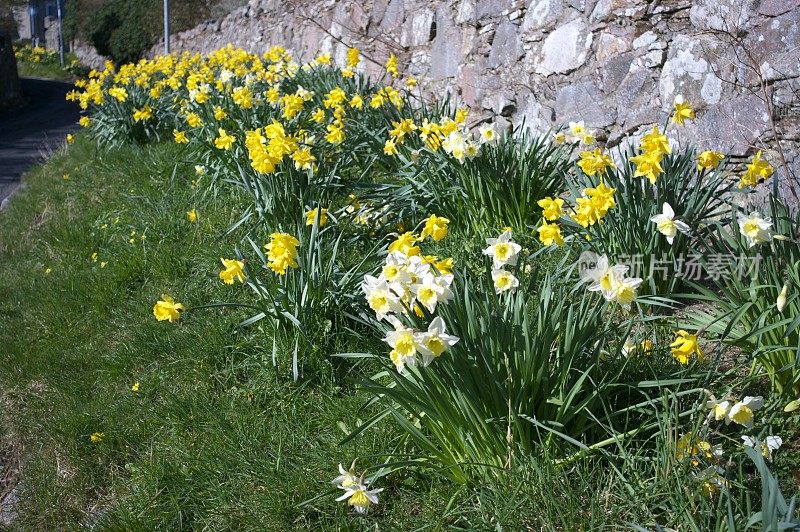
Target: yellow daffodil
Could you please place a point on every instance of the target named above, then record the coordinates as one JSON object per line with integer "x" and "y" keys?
{"x": 311, "y": 217}
{"x": 391, "y": 65}
{"x": 234, "y": 269}
{"x": 145, "y": 113}
{"x": 282, "y": 252}
{"x": 709, "y": 160}
{"x": 551, "y": 208}
{"x": 683, "y": 111}
{"x": 550, "y": 234}
{"x": 353, "y": 57}
{"x": 435, "y": 227}
{"x": 224, "y": 141}
{"x": 758, "y": 171}
{"x": 167, "y": 309}
{"x": 405, "y": 244}
{"x": 192, "y": 215}
{"x": 684, "y": 346}
{"x": 594, "y": 162}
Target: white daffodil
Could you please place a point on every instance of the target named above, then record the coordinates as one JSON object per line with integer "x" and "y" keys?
{"x": 771, "y": 443}
{"x": 667, "y": 225}
{"x": 741, "y": 413}
{"x": 359, "y": 497}
{"x": 577, "y": 130}
{"x": 346, "y": 478}
{"x": 504, "y": 280}
{"x": 628, "y": 348}
{"x": 405, "y": 346}
{"x": 395, "y": 269}
{"x": 780, "y": 304}
{"x": 305, "y": 94}
{"x": 502, "y": 250}
{"x": 624, "y": 291}
{"x": 417, "y": 268}
{"x": 435, "y": 341}
{"x": 756, "y": 229}
{"x": 225, "y": 75}
{"x": 602, "y": 277}
{"x": 488, "y": 133}
{"x": 719, "y": 409}
{"x": 380, "y": 297}
{"x": 456, "y": 145}
{"x": 430, "y": 292}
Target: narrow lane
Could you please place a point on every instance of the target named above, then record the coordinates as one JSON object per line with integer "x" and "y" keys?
{"x": 30, "y": 133}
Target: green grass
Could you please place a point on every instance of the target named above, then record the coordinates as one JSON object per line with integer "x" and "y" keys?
{"x": 216, "y": 438}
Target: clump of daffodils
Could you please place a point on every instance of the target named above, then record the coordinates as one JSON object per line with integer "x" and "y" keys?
{"x": 550, "y": 234}
{"x": 504, "y": 252}
{"x": 610, "y": 281}
{"x": 593, "y": 205}
{"x": 408, "y": 282}
{"x": 355, "y": 489}
{"x": 459, "y": 144}
{"x": 697, "y": 450}
{"x": 595, "y": 162}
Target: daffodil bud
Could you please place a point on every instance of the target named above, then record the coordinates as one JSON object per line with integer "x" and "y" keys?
{"x": 792, "y": 406}
{"x": 781, "y": 303}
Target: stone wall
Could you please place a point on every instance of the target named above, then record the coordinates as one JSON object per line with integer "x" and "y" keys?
{"x": 616, "y": 64}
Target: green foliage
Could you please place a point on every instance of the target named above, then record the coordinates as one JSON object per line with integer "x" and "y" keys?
{"x": 775, "y": 513}
{"x": 742, "y": 305}
{"x": 498, "y": 187}
{"x": 124, "y": 30}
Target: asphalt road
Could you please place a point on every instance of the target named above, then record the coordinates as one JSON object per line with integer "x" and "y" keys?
{"x": 31, "y": 132}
